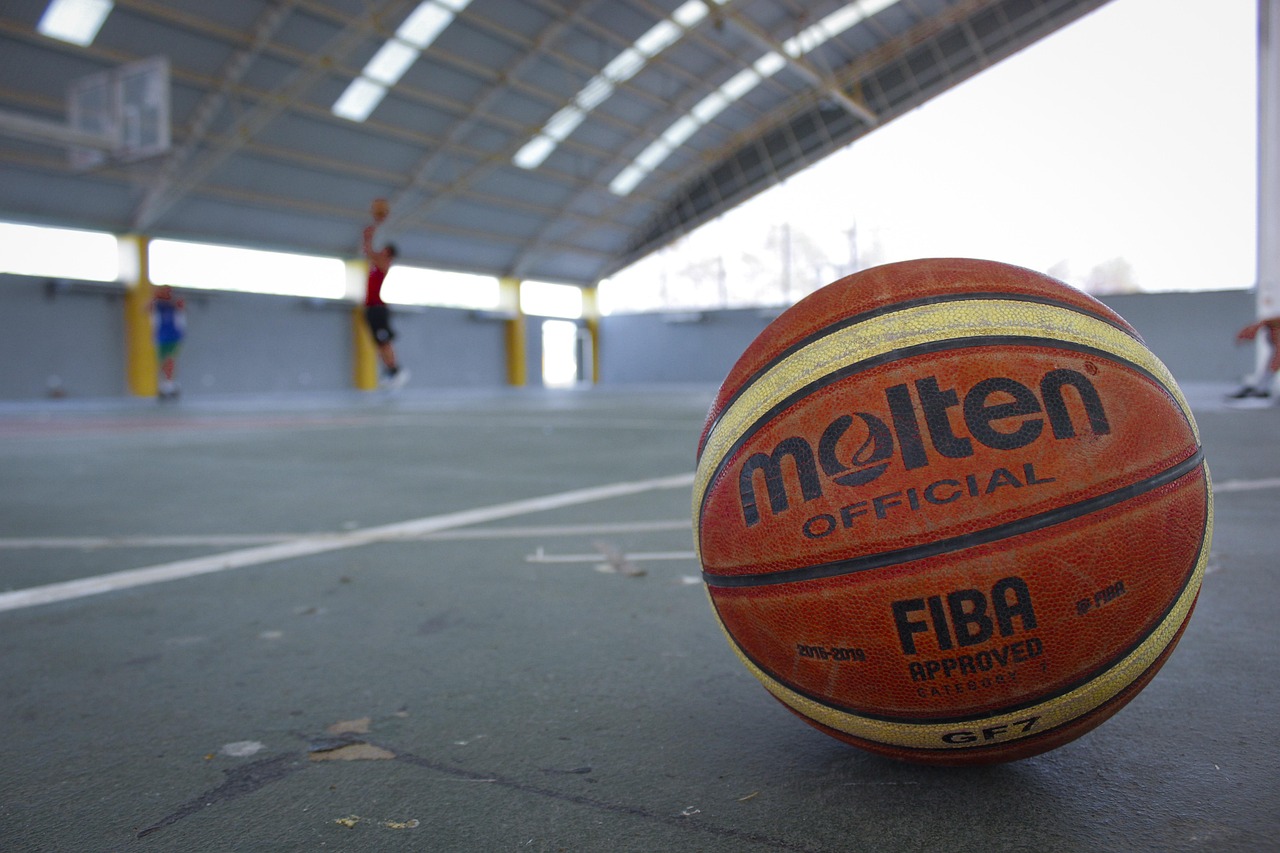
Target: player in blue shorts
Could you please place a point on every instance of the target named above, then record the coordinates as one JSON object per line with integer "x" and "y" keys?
{"x": 169, "y": 325}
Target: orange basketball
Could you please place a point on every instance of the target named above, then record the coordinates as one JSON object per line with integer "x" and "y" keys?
{"x": 951, "y": 511}
{"x": 379, "y": 209}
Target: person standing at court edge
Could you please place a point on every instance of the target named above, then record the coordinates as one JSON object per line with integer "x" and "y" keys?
{"x": 169, "y": 326}
{"x": 1259, "y": 385}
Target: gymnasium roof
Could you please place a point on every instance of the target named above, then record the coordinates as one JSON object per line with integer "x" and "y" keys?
{"x": 555, "y": 140}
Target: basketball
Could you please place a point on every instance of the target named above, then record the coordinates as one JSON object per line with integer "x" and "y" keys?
{"x": 379, "y": 209}
{"x": 951, "y": 511}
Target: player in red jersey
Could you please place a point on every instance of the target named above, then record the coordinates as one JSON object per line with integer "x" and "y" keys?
{"x": 376, "y": 312}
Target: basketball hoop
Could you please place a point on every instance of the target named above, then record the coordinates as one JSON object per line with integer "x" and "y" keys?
{"x": 127, "y": 107}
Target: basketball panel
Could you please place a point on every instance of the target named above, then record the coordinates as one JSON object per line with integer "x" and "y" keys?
{"x": 1010, "y": 623}
{"x": 990, "y": 743}
{"x": 869, "y": 291}
{"x": 852, "y": 349}
{"x": 911, "y": 452}
{"x": 851, "y": 581}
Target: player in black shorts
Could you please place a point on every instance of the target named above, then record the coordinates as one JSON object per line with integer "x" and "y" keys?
{"x": 376, "y": 312}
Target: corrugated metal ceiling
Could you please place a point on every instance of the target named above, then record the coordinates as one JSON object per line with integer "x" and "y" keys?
{"x": 259, "y": 158}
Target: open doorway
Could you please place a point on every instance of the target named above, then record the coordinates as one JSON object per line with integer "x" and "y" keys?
{"x": 562, "y": 355}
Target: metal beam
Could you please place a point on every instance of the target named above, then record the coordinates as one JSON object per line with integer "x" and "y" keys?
{"x": 800, "y": 65}
{"x": 18, "y": 126}
{"x": 206, "y": 111}
{"x": 410, "y": 200}
{"x": 1268, "y": 162}
{"x": 282, "y": 99}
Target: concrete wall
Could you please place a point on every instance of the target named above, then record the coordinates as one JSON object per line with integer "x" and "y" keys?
{"x": 66, "y": 336}
{"x": 236, "y": 343}
{"x": 685, "y": 347}
{"x": 72, "y": 336}
{"x": 1192, "y": 333}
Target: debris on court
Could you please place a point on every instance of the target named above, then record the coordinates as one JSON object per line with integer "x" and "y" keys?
{"x": 351, "y": 820}
{"x": 616, "y": 562}
{"x": 354, "y": 727}
{"x": 242, "y": 748}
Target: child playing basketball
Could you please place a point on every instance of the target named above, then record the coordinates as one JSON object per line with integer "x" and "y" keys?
{"x": 376, "y": 312}
{"x": 168, "y": 324}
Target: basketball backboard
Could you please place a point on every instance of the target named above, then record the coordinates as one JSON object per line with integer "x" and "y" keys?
{"x": 129, "y": 106}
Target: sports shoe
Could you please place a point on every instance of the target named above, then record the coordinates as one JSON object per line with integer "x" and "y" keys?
{"x": 398, "y": 379}
{"x": 1249, "y": 391}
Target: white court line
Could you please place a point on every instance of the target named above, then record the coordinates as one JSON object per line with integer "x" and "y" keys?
{"x": 541, "y": 556}
{"x": 308, "y": 545}
{"x": 89, "y": 543}
{"x": 1246, "y": 485}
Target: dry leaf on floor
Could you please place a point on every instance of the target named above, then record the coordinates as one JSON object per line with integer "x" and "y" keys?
{"x": 354, "y": 727}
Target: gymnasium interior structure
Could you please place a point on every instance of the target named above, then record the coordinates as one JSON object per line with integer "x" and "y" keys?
{"x": 295, "y": 611}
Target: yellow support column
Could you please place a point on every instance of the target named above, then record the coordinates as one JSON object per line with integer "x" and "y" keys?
{"x": 141, "y": 370}
{"x": 591, "y": 314}
{"x": 364, "y": 355}
{"x": 516, "y": 337}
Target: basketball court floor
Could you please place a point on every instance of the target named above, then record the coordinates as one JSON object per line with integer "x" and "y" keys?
{"x": 472, "y": 621}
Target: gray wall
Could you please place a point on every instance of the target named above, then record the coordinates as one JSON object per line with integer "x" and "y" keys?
{"x": 236, "y": 342}
{"x": 686, "y": 347}
{"x": 249, "y": 343}
{"x": 1192, "y": 333}
{"x": 72, "y": 335}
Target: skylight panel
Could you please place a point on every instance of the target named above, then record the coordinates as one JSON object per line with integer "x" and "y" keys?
{"x": 653, "y": 154}
{"x": 534, "y": 152}
{"x": 679, "y": 133}
{"x": 804, "y": 41}
{"x": 594, "y": 94}
{"x": 621, "y": 68}
{"x": 690, "y": 13}
{"x": 564, "y": 122}
{"x": 628, "y": 179}
{"x": 737, "y": 86}
{"x": 390, "y": 63}
{"x": 709, "y": 107}
{"x": 396, "y": 56}
{"x": 769, "y": 64}
{"x": 741, "y": 83}
{"x": 659, "y": 37}
{"x": 833, "y": 25}
{"x": 424, "y": 24}
{"x": 360, "y": 99}
{"x": 74, "y": 21}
